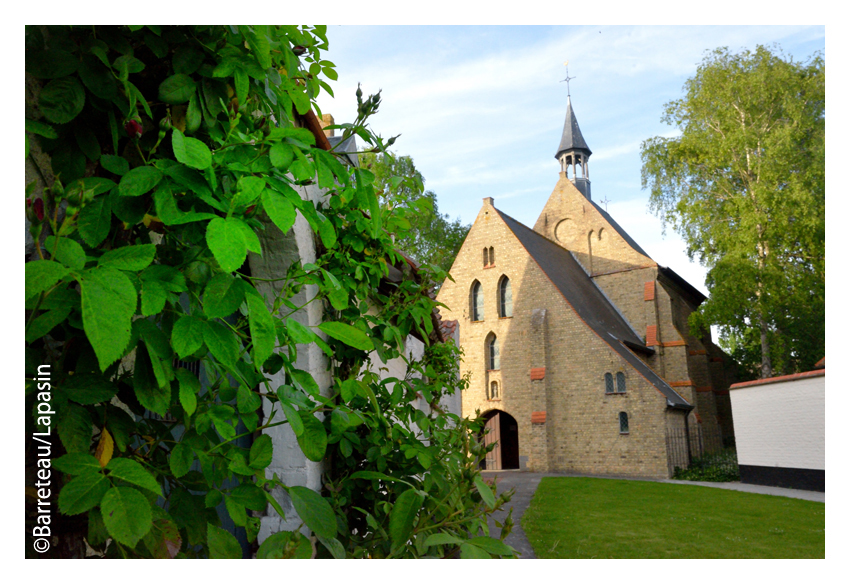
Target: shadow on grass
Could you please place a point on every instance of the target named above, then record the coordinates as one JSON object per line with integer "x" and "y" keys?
{"x": 604, "y": 518}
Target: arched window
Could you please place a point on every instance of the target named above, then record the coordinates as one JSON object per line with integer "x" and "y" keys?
{"x": 492, "y": 257}
{"x": 624, "y": 423}
{"x": 494, "y": 390}
{"x": 486, "y": 257}
{"x": 476, "y": 301}
{"x": 621, "y": 382}
{"x": 492, "y": 352}
{"x": 506, "y": 301}
{"x": 609, "y": 383}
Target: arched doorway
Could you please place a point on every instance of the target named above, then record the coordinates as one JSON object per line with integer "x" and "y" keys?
{"x": 501, "y": 428}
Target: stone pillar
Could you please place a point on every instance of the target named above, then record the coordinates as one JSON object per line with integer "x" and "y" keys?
{"x": 538, "y": 343}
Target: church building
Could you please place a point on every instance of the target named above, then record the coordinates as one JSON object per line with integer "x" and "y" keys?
{"x": 577, "y": 342}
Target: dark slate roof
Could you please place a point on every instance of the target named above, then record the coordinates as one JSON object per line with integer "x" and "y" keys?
{"x": 588, "y": 301}
{"x": 572, "y": 139}
{"x": 349, "y": 146}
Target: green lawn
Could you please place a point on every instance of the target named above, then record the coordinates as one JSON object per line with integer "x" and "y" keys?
{"x": 604, "y": 518}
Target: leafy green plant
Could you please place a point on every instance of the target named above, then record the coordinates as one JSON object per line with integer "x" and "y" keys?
{"x": 173, "y": 150}
{"x": 716, "y": 467}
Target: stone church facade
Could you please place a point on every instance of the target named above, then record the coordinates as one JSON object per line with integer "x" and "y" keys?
{"x": 577, "y": 342}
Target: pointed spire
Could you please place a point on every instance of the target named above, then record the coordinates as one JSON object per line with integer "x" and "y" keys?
{"x": 571, "y": 139}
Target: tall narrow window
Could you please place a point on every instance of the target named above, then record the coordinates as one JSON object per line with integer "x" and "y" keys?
{"x": 624, "y": 423}
{"x": 621, "y": 382}
{"x": 492, "y": 257}
{"x": 486, "y": 257}
{"x": 477, "y": 301}
{"x": 493, "y": 353}
{"x": 506, "y": 300}
{"x": 609, "y": 383}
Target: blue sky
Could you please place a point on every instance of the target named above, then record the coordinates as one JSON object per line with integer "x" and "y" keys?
{"x": 481, "y": 108}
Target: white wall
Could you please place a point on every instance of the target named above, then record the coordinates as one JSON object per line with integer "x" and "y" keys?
{"x": 781, "y": 424}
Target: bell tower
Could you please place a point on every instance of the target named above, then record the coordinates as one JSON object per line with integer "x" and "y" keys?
{"x": 573, "y": 152}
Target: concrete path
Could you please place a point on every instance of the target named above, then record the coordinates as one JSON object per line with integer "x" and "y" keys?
{"x": 525, "y": 484}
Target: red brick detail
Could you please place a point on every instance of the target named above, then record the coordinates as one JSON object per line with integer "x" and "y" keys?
{"x": 674, "y": 344}
{"x": 717, "y": 359}
{"x": 538, "y": 417}
{"x": 821, "y": 364}
{"x": 686, "y": 383}
{"x": 816, "y": 373}
{"x": 704, "y": 389}
{"x": 538, "y": 373}
{"x": 699, "y": 420}
{"x": 649, "y": 290}
{"x": 651, "y": 335}
{"x": 699, "y": 352}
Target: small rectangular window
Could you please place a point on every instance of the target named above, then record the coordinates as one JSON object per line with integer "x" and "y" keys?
{"x": 624, "y": 423}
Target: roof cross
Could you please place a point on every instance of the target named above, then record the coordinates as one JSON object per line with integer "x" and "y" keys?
{"x": 605, "y": 202}
{"x": 566, "y": 64}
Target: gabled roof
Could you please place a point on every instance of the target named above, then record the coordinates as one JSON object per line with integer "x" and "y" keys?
{"x": 588, "y": 301}
{"x": 571, "y": 138}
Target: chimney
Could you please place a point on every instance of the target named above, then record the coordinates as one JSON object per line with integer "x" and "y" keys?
{"x": 488, "y": 201}
{"x": 328, "y": 120}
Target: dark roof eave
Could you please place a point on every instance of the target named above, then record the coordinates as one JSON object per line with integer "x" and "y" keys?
{"x": 639, "y": 348}
{"x": 686, "y": 287}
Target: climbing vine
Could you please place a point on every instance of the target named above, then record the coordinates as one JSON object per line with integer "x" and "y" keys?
{"x": 173, "y": 152}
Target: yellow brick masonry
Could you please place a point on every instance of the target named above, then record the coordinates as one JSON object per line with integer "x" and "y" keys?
{"x": 581, "y": 432}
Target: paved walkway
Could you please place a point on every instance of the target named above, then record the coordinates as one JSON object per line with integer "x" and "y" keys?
{"x": 526, "y": 484}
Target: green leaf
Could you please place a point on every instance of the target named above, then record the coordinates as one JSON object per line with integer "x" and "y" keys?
{"x": 279, "y": 210}
{"x": 95, "y": 220}
{"x": 327, "y": 233}
{"x": 306, "y": 381}
{"x": 261, "y": 452}
{"x": 190, "y": 387}
{"x": 222, "y": 343}
{"x": 87, "y": 141}
{"x": 132, "y": 472}
{"x": 83, "y": 492}
{"x": 127, "y": 515}
{"x": 41, "y": 129}
{"x": 222, "y": 296}
{"x": 371, "y": 475}
{"x": 281, "y": 155}
{"x": 247, "y": 401}
{"x": 293, "y": 418}
{"x": 403, "y": 516}
{"x": 67, "y": 251}
{"x": 442, "y": 539}
{"x": 249, "y": 189}
{"x": 139, "y": 181}
{"x": 261, "y": 324}
{"x": 471, "y": 552}
{"x": 108, "y": 305}
{"x": 115, "y": 164}
{"x": 154, "y": 297}
{"x": 492, "y": 546}
{"x": 51, "y": 63}
{"x": 222, "y": 544}
{"x": 333, "y": 546}
{"x": 250, "y": 495}
{"x": 313, "y": 440}
{"x": 285, "y": 545}
{"x": 132, "y": 258}
{"x": 227, "y": 242}
{"x": 187, "y": 336}
{"x": 187, "y": 59}
{"x": 193, "y": 115}
{"x": 348, "y": 334}
{"x": 76, "y": 463}
{"x": 485, "y": 491}
{"x": 62, "y": 100}
{"x": 150, "y": 393}
{"x": 41, "y": 275}
{"x": 88, "y": 388}
{"x": 314, "y": 510}
{"x": 237, "y": 512}
{"x": 176, "y": 89}
{"x": 180, "y": 459}
{"x": 75, "y": 429}
{"x": 189, "y": 151}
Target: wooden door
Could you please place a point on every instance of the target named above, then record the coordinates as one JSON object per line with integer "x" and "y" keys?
{"x": 492, "y": 434}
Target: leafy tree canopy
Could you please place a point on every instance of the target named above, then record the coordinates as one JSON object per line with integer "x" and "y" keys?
{"x": 743, "y": 184}
{"x": 433, "y": 237}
